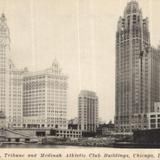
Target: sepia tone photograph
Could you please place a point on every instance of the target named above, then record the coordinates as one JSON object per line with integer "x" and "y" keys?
{"x": 80, "y": 74}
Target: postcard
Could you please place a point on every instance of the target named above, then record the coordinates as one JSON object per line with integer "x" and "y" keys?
{"x": 79, "y": 79}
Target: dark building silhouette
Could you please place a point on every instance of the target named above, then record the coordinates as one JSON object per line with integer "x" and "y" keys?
{"x": 137, "y": 71}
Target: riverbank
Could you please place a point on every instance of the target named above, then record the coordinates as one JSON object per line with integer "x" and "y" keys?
{"x": 34, "y": 146}
{"x": 83, "y": 142}
{"x": 92, "y": 142}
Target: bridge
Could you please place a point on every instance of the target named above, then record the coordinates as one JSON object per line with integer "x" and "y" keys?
{"x": 11, "y": 135}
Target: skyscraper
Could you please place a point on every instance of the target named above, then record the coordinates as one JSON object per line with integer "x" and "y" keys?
{"x": 133, "y": 70}
{"x": 4, "y": 64}
{"x": 154, "y": 77}
{"x": 88, "y": 111}
{"x": 10, "y": 80}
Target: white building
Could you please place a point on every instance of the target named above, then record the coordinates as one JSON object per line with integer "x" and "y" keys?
{"x": 45, "y": 98}
{"x": 10, "y": 81}
{"x": 68, "y": 133}
{"x": 154, "y": 117}
{"x": 88, "y": 111}
{"x": 4, "y": 65}
{"x": 15, "y": 96}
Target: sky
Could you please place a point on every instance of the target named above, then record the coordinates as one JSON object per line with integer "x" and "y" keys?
{"x": 80, "y": 34}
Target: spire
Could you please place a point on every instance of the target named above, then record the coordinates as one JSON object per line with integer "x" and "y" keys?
{"x": 3, "y": 18}
{"x": 55, "y": 62}
{"x": 132, "y": 7}
{"x": 4, "y": 30}
{"x": 55, "y": 66}
{"x": 132, "y": 1}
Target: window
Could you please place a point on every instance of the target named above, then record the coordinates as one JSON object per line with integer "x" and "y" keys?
{"x": 152, "y": 120}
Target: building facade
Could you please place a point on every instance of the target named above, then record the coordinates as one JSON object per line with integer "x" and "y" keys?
{"x": 73, "y": 123}
{"x": 154, "y": 78}
{"x": 137, "y": 71}
{"x": 88, "y": 111}
{"x": 4, "y": 66}
{"x": 15, "y": 107}
{"x": 66, "y": 133}
{"x": 153, "y": 120}
{"x": 2, "y": 120}
{"x": 105, "y": 129}
{"x": 154, "y": 117}
{"x": 10, "y": 81}
{"x": 45, "y": 98}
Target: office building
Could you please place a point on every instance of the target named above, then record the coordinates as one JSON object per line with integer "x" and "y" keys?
{"x": 45, "y": 98}
{"x": 137, "y": 63}
{"x": 4, "y": 65}
{"x": 154, "y": 78}
{"x": 154, "y": 117}
{"x": 15, "y": 108}
{"x": 88, "y": 111}
{"x": 10, "y": 80}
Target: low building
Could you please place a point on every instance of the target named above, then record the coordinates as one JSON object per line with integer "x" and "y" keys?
{"x": 46, "y": 132}
{"x": 73, "y": 123}
{"x": 105, "y": 129}
{"x": 153, "y": 120}
{"x": 154, "y": 117}
{"x": 66, "y": 133}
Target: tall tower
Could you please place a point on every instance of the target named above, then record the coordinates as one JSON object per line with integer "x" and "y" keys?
{"x": 132, "y": 69}
{"x": 88, "y": 111}
{"x": 4, "y": 64}
{"x": 10, "y": 80}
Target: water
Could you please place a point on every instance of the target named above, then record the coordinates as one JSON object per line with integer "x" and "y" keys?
{"x": 39, "y": 146}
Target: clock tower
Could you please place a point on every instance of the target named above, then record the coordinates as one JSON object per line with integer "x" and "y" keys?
{"x": 4, "y": 65}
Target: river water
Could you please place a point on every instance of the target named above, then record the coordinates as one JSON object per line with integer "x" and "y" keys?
{"x": 39, "y": 146}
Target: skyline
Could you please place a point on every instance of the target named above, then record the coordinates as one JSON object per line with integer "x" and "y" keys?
{"x": 85, "y": 37}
